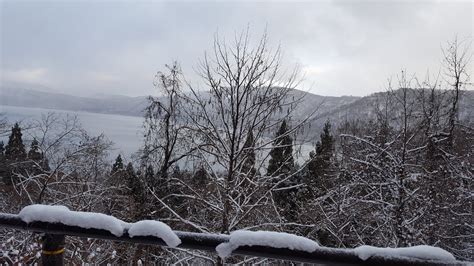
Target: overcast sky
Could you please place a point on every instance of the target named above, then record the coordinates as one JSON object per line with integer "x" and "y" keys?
{"x": 115, "y": 47}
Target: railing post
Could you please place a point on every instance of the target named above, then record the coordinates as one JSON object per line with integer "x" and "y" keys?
{"x": 53, "y": 250}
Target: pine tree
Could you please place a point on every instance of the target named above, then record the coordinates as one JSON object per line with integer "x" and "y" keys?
{"x": 280, "y": 165}
{"x": 2, "y": 152}
{"x": 149, "y": 174}
{"x": 200, "y": 178}
{"x": 320, "y": 166}
{"x": 37, "y": 162}
{"x": 326, "y": 144}
{"x": 3, "y": 163}
{"x": 118, "y": 165}
{"x": 15, "y": 150}
{"x": 133, "y": 182}
{"x": 248, "y": 165}
{"x": 281, "y": 156}
{"x": 15, "y": 155}
{"x": 35, "y": 153}
{"x": 136, "y": 191}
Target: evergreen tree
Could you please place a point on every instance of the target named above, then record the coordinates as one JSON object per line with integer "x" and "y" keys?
{"x": 2, "y": 150}
{"x": 118, "y": 165}
{"x": 15, "y": 155}
{"x": 326, "y": 144}
{"x": 132, "y": 179}
{"x": 136, "y": 191}
{"x": 248, "y": 165}
{"x": 37, "y": 162}
{"x": 200, "y": 178}
{"x": 15, "y": 150}
{"x": 35, "y": 153}
{"x": 280, "y": 165}
{"x": 320, "y": 167}
{"x": 3, "y": 163}
{"x": 118, "y": 194}
{"x": 150, "y": 176}
{"x": 281, "y": 155}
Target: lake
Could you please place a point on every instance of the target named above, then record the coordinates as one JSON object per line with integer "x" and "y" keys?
{"x": 124, "y": 131}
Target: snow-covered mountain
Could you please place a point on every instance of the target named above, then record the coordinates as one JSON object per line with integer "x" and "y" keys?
{"x": 132, "y": 106}
{"x": 336, "y": 109}
{"x": 122, "y": 105}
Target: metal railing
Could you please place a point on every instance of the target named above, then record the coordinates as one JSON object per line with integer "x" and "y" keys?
{"x": 53, "y": 245}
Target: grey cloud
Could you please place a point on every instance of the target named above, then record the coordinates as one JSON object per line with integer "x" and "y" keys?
{"x": 347, "y": 47}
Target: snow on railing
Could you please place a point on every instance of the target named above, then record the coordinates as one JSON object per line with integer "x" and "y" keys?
{"x": 61, "y": 214}
{"x": 59, "y": 221}
{"x": 423, "y": 252}
{"x": 267, "y": 239}
{"x": 154, "y": 228}
{"x": 87, "y": 220}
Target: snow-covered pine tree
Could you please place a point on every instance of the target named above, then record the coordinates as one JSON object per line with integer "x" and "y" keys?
{"x": 15, "y": 155}
{"x": 15, "y": 149}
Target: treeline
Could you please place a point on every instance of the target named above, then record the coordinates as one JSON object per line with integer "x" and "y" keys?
{"x": 225, "y": 159}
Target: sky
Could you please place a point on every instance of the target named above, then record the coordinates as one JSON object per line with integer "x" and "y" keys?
{"x": 90, "y": 48}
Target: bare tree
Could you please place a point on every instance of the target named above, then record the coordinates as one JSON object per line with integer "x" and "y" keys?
{"x": 456, "y": 61}
{"x": 399, "y": 174}
{"x": 248, "y": 95}
{"x": 73, "y": 164}
{"x": 166, "y": 130}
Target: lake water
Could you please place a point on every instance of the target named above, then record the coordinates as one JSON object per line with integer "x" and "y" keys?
{"x": 124, "y": 131}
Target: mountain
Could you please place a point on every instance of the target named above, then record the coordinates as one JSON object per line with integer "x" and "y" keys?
{"x": 122, "y": 105}
{"x": 336, "y": 109}
{"x": 364, "y": 107}
{"x": 133, "y": 106}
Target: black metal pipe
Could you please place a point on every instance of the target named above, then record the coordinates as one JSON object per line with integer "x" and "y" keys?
{"x": 209, "y": 242}
{"x": 53, "y": 250}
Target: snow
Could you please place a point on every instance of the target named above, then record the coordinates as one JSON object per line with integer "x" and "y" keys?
{"x": 61, "y": 214}
{"x": 155, "y": 228}
{"x": 265, "y": 238}
{"x": 419, "y": 252}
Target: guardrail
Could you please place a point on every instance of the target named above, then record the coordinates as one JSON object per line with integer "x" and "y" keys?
{"x": 53, "y": 245}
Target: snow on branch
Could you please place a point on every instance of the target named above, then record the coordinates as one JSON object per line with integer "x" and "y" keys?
{"x": 265, "y": 238}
